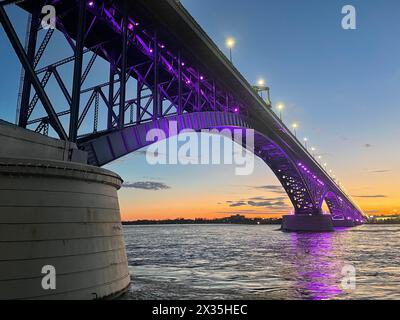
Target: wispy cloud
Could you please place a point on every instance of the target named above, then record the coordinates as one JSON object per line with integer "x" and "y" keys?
{"x": 371, "y": 211}
{"x": 370, "y": 196}
{"x": 267, "y": 199}
{"x": 267, "y": 204}
{"x": 146, "y": 185}
{"x": 238, "y": 212}
{"x": 264, "y": 202}
{"x": 272, "y": 188}
{"x": 379, "y": 171}
{"x": 237, "y": 204}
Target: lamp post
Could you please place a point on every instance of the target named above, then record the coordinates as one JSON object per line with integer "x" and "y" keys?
{"x": 261, "y": 87}
{"x": 295, "y": 126}
{"x": 280, "y": 106}
{"x": 305, "y": 143}
{"x": 230, "y": 43}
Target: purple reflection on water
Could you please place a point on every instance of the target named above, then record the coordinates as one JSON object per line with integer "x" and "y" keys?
{"x": 318, "y": 269}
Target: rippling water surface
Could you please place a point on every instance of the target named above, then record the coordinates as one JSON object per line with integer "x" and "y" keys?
{"x": 260, "y": 262}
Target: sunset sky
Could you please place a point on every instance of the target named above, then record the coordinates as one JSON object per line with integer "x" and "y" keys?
{"x": 341, "y": 86}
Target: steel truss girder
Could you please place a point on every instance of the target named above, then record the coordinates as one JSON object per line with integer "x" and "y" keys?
{"x": 164, "y": 74}
{"x": 29, "y": 71}
{"x": 187, "y": 90}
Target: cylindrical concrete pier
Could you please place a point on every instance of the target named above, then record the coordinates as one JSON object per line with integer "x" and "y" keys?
{"x": 307, "y": 223}
{"x": 65, "y": 215}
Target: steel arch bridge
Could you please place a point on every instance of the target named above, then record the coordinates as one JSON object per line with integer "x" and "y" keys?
{"x": 161, "y": 67}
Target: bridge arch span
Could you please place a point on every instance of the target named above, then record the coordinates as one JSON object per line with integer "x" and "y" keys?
{"x": 343, "y": 214}
{"x": 105, "y": 147}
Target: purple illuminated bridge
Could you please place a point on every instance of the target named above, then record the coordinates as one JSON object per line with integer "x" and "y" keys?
{"x": 160, "y": 66}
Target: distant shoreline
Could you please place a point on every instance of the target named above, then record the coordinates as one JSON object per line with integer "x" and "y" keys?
{"x": 242, "y": 220}
{"x": 139, "y": 223}
{"x": 236, "y": 219}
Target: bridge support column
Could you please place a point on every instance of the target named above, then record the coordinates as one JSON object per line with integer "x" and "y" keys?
{"x": 61, "y": 220}
{"x": 307, "y": 223}
{"x": 343, "y": 223}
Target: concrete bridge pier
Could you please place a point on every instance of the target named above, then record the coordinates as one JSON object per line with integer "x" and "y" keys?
{"x": 344, "y": 223}
{"x": 307, "y": 223}
{"x": 58, "y": 214}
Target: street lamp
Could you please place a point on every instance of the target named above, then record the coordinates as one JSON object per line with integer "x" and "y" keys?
{"x": 280, "y": 106}
{"x": 261, "y": 87}
{"x": 295, "y": 126}
{"x": 305, "y": 142}
{"x": 230, "y": 43}
{"x": 261, "y": 82}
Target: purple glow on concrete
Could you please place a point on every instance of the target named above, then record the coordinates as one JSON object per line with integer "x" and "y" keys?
{"x": 338, "y": 218}
{"x": 311, "y": 174}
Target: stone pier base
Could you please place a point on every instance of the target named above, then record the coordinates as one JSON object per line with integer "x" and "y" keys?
{"x": 307, "y": 223}
{"x": 343, "y": 223}
{"x": 63, "y": 215}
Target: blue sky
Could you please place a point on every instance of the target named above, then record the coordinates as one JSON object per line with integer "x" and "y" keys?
{"x": 341, "y": 86}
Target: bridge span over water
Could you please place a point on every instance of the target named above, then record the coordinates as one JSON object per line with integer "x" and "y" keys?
{"x": 161, "y": 67}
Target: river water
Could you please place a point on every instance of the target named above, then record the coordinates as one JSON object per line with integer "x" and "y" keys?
{"x": 261, "y": 262}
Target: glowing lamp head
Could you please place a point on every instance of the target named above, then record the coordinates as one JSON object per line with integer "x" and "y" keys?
{"x": 91, "y": 4}
{"x": 130, "y": 26}
{"x": 280, "y": 106}
{"x": 295, "y": 125}
{"x": 230, "y": 42}
{"x": 236, "y": 110}
{"x": 261, "y": 82}
{"x": 305, "y": 139}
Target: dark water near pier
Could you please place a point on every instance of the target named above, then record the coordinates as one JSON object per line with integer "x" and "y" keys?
{"x": 259, "y": 262}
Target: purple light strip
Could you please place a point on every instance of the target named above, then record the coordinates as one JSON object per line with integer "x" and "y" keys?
{"x": 148, "y": 51}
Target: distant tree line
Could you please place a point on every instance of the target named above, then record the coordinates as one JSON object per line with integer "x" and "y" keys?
{"x": 235, "y": 219}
